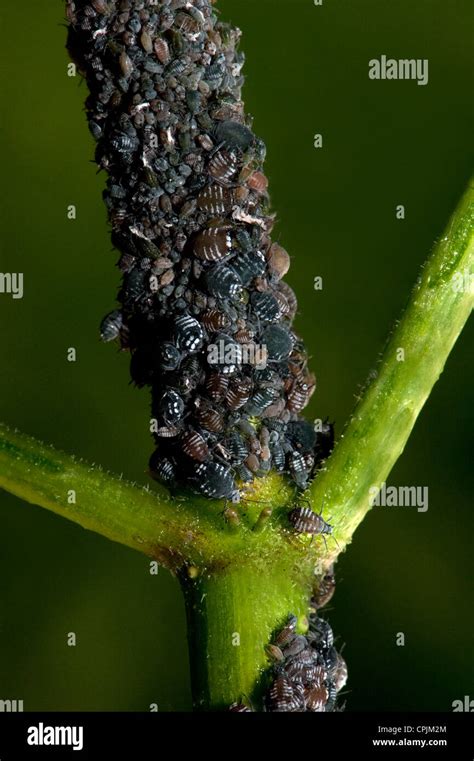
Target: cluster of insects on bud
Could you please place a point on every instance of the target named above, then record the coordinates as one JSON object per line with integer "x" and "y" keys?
{"x": 307, "y": 672}
{"x": 188, "y": 204}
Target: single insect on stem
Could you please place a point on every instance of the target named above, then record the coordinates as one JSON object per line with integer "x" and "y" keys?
{"x": 324, "y": 590}
{"x": 305, "y": 521}
{"x": 285, "y": 635}
{"x": 274, "y": 653}
{"x": 240, "y": 708}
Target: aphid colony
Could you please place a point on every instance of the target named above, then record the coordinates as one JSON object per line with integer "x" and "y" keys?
{"x": 189, "y": 210}
{"x": 307, "y": 672}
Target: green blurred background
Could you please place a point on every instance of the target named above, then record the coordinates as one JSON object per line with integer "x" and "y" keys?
{"x": 385, "y": 143}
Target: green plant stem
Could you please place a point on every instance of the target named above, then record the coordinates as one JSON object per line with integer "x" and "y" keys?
{"x": 146, "y": 521}
{"x": 412, "y": 362}
{"x": 231, "y": 617}
{"x": 181, "y": 531}
{"x": 236, "y": 579}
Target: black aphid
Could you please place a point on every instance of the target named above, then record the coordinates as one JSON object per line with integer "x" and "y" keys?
{"x": 111, "y": 326}
{"x": 325, "y": 589}
{"x": 214, "y": 480}
{"x": 240, "y": 708}
{"x": 306, "y": 521}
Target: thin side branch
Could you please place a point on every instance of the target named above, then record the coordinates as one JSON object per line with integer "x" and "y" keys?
{"x": 411, "y": 363}
{"x": 177, "y": 531}
{"x": 147, "y": 521}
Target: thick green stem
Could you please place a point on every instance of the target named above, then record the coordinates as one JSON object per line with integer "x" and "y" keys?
{"x": 411, "y": 364}
{"x": 231, "y": 618}
{"x": 244, "y": 579}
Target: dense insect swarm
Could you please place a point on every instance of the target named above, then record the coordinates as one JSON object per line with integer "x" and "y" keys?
{"x": 306, "y": 672}
{"x": 188, "y": 205}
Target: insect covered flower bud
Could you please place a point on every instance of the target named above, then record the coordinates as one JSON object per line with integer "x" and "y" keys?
{"x": 203, "y": 308}
{"x": 306, "y": 670}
